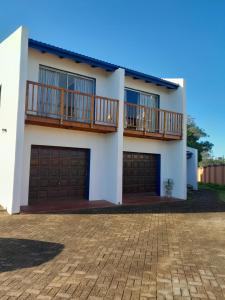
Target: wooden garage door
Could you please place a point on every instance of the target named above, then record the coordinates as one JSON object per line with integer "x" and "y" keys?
{"x": 141, "y": 173}
{"x": 58, "y": 174}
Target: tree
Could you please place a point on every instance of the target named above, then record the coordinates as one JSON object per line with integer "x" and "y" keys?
{"x": 194, "y": 136}
{"x": 212, "y": 161}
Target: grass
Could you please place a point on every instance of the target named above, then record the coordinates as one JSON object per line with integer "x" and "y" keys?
{"x": 190, "y": 195}
{"x": 219, "y": 189}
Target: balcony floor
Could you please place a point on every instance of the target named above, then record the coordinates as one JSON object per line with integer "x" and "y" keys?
{"x": 56, "y": 122}
{"x": 151, "y": 135}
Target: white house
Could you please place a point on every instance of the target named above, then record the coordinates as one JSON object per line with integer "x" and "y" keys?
{"x": 74, "y": 127}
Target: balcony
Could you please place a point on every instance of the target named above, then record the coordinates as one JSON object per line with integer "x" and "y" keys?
{"x": 145, "y": 122}
{"x": 57, "y": 107}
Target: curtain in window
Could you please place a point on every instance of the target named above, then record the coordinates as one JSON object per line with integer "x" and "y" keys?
{"x": 48, "y": 99}
{"x": 79, "y": 106}
{"x": 133, "y": 113}
{"x": 151, "y": 101}
{"x": 139, "y": 117}
{"x": 76, "y": 106}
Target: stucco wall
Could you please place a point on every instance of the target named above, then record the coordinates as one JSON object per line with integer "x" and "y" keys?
{"x": 13, "y": 73}
{"x": 106, "y": 149}
{"x": 36, "y": 58}
{"x": 169, "y": 165}
{"x": 192, "y": 168}
{"x": 169, "y": 99}
{"x": 100, "y": 169}
{"x": 173, "y": 153}
{"x": 178, "y": 148}
{"x": 114, "y": 141}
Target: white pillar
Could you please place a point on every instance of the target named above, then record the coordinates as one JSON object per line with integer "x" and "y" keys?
{"x": 114, "y": 144}
{"x": 177, "y": 149}
{"x": 192, "y": 168}
{"x": 13, "y": 65}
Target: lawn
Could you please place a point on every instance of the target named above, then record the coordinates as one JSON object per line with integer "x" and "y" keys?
{"x": 219, "y": 189}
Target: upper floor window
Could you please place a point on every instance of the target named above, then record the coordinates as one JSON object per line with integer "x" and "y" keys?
{"x": 141, "y": 98}
{"x": 76, "y": 106}
{"x": 66, "y": 80}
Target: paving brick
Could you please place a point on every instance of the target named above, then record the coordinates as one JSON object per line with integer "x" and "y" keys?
{"x": 163, "y": 252}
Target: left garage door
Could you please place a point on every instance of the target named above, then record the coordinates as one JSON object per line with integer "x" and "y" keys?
{"x": 58, "y": 174}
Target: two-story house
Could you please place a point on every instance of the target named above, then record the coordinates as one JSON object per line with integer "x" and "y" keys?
{"x": 73, "y": 127}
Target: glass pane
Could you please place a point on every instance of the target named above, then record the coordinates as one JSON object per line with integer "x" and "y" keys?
{"x": 63, "y": 80}
{"x": 84, "y": 85}
{"x": 79, "y": 105}
{"x": 149, "y": 100}
{"x": 131, "y": 96}
{"x": 48, "y": 98}
{"x": 71, "y": 85}
{"x": 76, "y": 106}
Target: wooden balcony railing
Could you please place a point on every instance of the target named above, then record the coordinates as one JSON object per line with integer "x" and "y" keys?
{"x": 51, "y": 105}
{"x": 152, "y": 122}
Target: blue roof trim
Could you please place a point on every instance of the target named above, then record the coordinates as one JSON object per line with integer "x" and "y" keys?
{"x": 62, "y": 53}
{"x": 151, "y": 79}
{"x": 96, "y": 63}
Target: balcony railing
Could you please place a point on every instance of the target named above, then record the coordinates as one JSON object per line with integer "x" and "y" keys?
{"x": 46, "y": 104}
{"x": 53, "y": 106}
{"x": 152, "y": 122}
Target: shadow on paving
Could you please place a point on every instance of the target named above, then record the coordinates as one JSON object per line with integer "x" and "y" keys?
{"x": 200, "y": 201}
{"x": 22, "y": 253}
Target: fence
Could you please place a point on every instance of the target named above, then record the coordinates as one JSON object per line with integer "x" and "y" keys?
{"x": 212, "y": 174}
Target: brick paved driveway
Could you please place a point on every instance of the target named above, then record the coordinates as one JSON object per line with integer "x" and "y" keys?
{"x": 170, "y": 252}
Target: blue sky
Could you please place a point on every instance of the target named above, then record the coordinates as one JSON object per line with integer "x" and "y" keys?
{"x": 167, "y": 38}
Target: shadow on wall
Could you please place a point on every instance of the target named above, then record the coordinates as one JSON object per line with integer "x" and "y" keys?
{"x": 21, "y": 253}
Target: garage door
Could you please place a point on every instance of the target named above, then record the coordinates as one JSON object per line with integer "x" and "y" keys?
{"x": 141, "y": 173}
{"x": 58, "y": 173}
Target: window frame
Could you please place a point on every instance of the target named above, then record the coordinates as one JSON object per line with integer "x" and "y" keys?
{"x": 143, "y": 92}
{"x": 68, "y": 73}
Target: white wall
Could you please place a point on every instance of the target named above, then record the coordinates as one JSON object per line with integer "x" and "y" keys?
{"x": 106, "y": 150}
{"x": 192, "y": 168}
{"x": 97, "y": 143}
{"x": 173, "y": 153}
{"x": 169, "y": 164}
{"x": 169, "y": 99}
{"x": 154, "y": 147}
{"x": 109, "y": 84}
{"x": 103, "y": 78}
{"x": 178, "y": 159}
{"x": 13, "y": 73}
{"x": 104, "y": 166}
{"x": 115, "y": 142}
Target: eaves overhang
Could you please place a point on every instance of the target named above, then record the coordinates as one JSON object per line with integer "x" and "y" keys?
{"x": 96, "y": 63}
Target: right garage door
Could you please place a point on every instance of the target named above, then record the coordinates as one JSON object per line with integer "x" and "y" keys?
{"x": 141, "y": 173}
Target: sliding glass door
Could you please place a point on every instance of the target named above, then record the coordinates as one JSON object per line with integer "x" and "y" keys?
{"x": 77, "y": 105}
{"x": 136, "y": 115}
